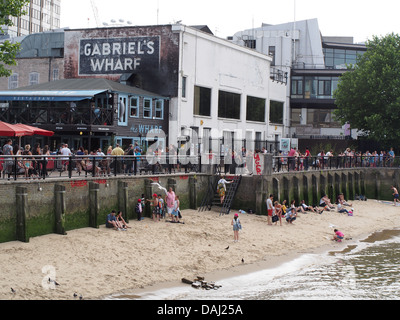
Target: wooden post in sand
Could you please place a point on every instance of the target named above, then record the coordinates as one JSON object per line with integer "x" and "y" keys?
{"x": 22, "y": 210}
{"x": 193, "y": 193}
{"x": 94, "y": 206}
{"x": 59, "y": 195}
{"x": 123, "y": 199}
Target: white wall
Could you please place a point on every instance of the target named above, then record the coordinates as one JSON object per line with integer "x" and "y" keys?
{"x": 218, "y": 64}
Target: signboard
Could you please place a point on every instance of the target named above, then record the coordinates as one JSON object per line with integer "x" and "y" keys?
{"x": 118, "y": 55}
{"x": 285, "y": 145}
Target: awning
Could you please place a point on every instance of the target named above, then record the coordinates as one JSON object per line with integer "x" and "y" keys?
{"x": 61, "y": 95}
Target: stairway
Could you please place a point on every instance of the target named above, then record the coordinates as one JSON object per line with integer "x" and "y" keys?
{"x": 230, "y": 195}
{"x": 211, "y": 197}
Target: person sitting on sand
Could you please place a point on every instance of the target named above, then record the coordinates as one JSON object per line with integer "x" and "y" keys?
{"x": 121, "y": 221}
{"x": 304, "y": 208}
{"x": 290, "y": 215}
{"x": 342, "y": 201}
{"x": 326, "y": 202}
{"x": 338, "y": 236}
{"x": 111, "y": 221}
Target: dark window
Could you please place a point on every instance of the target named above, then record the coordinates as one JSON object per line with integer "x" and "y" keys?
{"x": 276, "y": 112}
{"x": 202, "y": 101}
{"x": 228, "y": 105}
{"x": 255, "y": 110}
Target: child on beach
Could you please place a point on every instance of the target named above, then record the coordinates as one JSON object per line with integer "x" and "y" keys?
{"x": 139, "y": 210}
{"x": 236, "y": 227}
{"x": 175, "y": 211}
{"x": 162, "y": 206}
{"x": 338, "y": 236}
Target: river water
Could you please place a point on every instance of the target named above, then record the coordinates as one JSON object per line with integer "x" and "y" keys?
{"x": 365, "y": 270}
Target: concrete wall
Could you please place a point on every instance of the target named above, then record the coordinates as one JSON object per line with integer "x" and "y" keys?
{"x": 36, "y": 208}
{"x": 72, "y": 204}
{"x": 311, "y": 186}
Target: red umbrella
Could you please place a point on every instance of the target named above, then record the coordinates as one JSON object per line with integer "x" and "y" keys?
{"x": 35, "y": 130}
{"x": 12, "y": 130}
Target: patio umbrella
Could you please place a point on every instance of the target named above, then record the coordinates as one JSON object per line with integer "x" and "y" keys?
{"x": 38, "y": 131}
{"x": 11, "y": 130}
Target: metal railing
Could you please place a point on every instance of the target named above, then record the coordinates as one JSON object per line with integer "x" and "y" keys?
{"x": 55, "y": 166}
{"x": 286, "y": 164}
{"x": 75, "y": 166}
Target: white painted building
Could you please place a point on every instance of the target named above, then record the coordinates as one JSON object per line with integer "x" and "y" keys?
{"x": 226, "y": 92}
{"x": 313, "y": 64}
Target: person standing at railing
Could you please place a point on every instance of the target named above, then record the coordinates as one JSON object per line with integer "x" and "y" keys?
{"x": 8, "y": 162}
{"x": 307, "y": 156}
{"x": 65, "y": 151}
{"x": 45, "y": 153}
{"x": 391, "y": 157}
{"x": 117, "y": 151}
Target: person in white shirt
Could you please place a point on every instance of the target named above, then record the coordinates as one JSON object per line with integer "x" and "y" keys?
{"x": 65, "y": 151}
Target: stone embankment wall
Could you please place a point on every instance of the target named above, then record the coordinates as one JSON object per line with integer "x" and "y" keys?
{"x": 34, "y": 208}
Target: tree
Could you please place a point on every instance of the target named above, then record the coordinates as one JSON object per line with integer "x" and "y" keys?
{"x": 8, "y": 50}
{"x": 368, "y": 95}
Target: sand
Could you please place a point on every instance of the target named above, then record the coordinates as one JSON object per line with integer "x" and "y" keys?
{"x": 96, "y": 263}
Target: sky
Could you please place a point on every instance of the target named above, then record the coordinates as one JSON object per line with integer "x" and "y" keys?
{"x": 360, "y": 19}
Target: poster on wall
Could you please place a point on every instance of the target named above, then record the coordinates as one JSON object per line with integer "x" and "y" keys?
{"x": 285, "y": 145}
{"x": 118, "y": 55}
{"x": 294, "y": 143}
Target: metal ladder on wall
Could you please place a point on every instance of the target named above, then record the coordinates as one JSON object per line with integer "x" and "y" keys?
{"x": 230, "y": 195}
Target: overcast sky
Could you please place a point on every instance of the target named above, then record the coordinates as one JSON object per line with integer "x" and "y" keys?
{"x": 360, "y": 19}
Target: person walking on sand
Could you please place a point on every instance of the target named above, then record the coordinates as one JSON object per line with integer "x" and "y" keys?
{"x": 236, "y": 227}
{"x": 395, "y": 195}
{"x": 270, "y": 209}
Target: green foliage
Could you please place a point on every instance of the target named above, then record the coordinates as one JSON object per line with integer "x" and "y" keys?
{"x": 8, "y": 50}
{"x": 368, "y": 96}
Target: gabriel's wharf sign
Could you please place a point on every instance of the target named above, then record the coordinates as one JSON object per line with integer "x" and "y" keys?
{"x": 118, "y": 55}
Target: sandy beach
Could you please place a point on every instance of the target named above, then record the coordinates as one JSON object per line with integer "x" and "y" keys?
{"x": 96, "y": 263}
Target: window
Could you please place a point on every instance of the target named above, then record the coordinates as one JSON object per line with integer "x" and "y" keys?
{"x": 297, "y": 87}
{"x": 33, "y": 78}
{"x": 159, "y": 109}
{"x": 271, "y": 52}
{"x": 147, "y": 108}
{"x": 338, "y": 58}
{"x": 255, "y": 110}
{"x": 228, "y": 105}
{"x": 134, "y": 107}
{"x": 184, "y": 87}
{"x": 276, "y": 112}
{"x": 324, "y": 87}
{"x": 13, "y": 81}
{"x": 202, "y": 101}
{"x": 55, "y": 74}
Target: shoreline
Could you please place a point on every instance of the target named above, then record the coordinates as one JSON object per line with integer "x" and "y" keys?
{"x": 102, "y": 263}
{"x": 240, "y": 270}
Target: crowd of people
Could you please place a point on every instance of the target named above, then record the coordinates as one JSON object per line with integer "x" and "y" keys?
{"x": 83, "y": 160}
{"x": 349, "y": 158}
{"x": 167, "y": 208}
{"x": 277, "y": 211}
